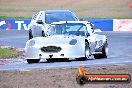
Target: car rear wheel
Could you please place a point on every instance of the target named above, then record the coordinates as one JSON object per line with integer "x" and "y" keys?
{"x": 30, "y": 61}
{"x": 104, "y": 52}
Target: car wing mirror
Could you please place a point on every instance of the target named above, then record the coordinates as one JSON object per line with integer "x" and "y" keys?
{"x": 39, "y": 22}
{"x": 87, "y": 34}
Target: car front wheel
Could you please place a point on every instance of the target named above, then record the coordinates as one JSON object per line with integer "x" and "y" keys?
{"x": 87, "y": 53}
{"x": 30, "y": 61}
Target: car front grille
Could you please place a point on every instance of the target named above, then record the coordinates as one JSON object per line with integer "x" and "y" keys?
{"x": 51, "y": 49}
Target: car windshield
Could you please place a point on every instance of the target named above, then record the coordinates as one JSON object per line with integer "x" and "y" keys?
{"x": 59, "y": 16}
{"x": 77, "y": 29}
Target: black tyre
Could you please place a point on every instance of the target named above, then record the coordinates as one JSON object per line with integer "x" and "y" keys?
{"x": 86, "y": 53}
{"x": 30, "y": 61}
{"x": 30, "y": 34}
{"x": 104, "y": 52}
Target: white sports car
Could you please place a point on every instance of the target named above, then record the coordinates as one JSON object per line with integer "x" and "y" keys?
{"x": 67, "y": 39}
{"x": 41, "y": 21}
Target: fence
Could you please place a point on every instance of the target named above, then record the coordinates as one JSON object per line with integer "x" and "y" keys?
{"x": 102, "y": 24}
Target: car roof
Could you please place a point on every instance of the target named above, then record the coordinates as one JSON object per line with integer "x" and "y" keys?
{"x": 57, "y": 11}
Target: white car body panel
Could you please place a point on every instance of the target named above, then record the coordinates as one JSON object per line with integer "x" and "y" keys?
{"x": 69, "y": 51}
{"x": 33, "y": 46}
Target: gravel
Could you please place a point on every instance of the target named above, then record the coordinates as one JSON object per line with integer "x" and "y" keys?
{"x": 60, "y": 78}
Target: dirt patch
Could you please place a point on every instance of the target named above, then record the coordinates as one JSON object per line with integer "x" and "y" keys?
{"x": 60, "y": 78}
{"x": 83, "y": 8}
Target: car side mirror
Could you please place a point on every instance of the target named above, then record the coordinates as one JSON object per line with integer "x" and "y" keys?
{"x": 39, "y": 22}
{"x": 87, "y": 34}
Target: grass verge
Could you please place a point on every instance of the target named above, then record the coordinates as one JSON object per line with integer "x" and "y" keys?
{"x": 8, "y": 53}
{"x": 15, "y": 17}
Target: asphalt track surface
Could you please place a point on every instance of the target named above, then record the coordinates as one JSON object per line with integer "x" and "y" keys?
{"x": 120, "y": 52}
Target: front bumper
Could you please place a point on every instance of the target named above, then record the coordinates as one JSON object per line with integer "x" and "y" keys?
{"x": 70, "y": 51}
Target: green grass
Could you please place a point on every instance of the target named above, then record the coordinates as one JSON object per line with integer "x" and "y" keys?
{"x": 20, "y": 17}
{"x": 7, "y": 53}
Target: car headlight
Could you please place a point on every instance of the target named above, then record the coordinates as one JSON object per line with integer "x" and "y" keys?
{"x": 73, "y": 42}
{"x": 31, "y": 43}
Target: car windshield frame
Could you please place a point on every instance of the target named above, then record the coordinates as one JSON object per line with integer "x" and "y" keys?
{"x": 59, "y": 16}
{"x": 77, "y": 29}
